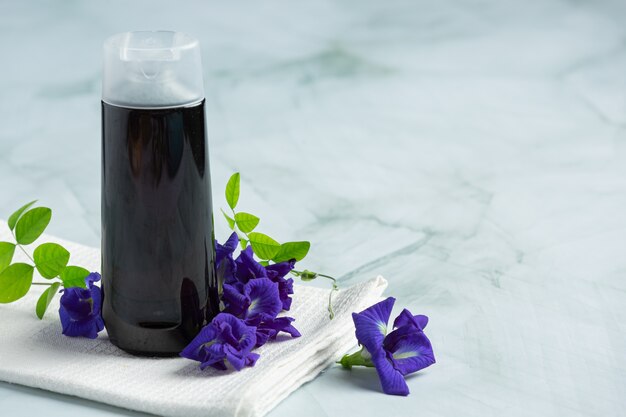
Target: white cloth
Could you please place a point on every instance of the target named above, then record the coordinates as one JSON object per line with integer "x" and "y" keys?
{"x": 34, "y": 353}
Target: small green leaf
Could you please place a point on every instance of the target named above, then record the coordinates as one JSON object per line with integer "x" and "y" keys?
{"x": 7, "y": 249}
{"x": 292, "y": 250}
{"x": 230, "y": 220}
{"x": 32, "y": 224}
{"x": 15, "y": 282}
{"x": 74, "y": 276}
{"x": 265, "y": 263}
{"x": 50, "y": 259}
{"x": 15, "y": 216}
{"x": 45, "y": 299}
{"x": 263, "y": 246}
{"x": 232, "y": 190}
{"x": 246, "y": 221}
{"x": 243, "y": 242}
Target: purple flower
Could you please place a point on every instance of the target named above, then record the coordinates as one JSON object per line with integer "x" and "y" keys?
{"x": 80, "y": 309}
{"x": 224, "y": 262}
{"x": 226, "y": 340}
{"x": 258, "y": 303}
{"x": 256, "y": 297}
{"x": 277, "y": 273}
{"x": 403, "y": 351}
{"x": 247, "y": 268}
{"x": 268, "y": 328}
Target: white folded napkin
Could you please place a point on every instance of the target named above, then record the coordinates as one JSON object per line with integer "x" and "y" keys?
{"x": 34, "y": 353}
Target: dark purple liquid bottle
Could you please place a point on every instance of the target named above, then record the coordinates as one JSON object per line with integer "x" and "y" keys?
{"x": 158, "y": 275}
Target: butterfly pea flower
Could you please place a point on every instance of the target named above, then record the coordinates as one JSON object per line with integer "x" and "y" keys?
{"x": 226, "y": 340}
{"x": 268, "y": 328}
{"x": 247, "y": 268}
{"x": 224, "y": 262}
{"x": 80, "y": 309}
{"x": 400, "y": 352}
{"x": 258, "y": 303}
{"x": 277, "y": 273}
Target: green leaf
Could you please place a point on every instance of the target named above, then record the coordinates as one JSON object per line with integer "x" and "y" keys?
{"x": 232, "y": 190}
{"x": 50, "y": 259}
{"x": 243, "y": 242}
{"x": 15, "y": 282}
{"x": 7, "y": 249}
{"x": 230, "y": 220}
{"x": 74, "y": 276}
{"x": 263, "y": 246}
{"x": 32, "y": 224}
{"x": 292, "y": 250}
{"x": 15, "y": 216}
{"x": 46, "y": 298}
{"x": 246, "y": 221}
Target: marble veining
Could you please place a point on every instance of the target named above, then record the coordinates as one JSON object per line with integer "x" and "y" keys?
{"x": 473, "y": 152}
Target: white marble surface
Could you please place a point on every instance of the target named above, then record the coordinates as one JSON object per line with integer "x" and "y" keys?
{"x": 473, "y": 152}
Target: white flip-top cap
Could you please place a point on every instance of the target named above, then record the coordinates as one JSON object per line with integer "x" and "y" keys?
{"x": 152, "y": 69}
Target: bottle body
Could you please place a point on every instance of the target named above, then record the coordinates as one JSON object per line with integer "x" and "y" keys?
{"x": 158, "y": 273}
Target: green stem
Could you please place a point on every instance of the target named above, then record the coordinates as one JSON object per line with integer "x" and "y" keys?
{"x": 42, "y": 283}
{"x": 22, "y": 248}
{"x": 25, "y": 253}
{"x": 327, "y": 276}
{"x": 356, "y": 359}
{"x": 331, "y": 312}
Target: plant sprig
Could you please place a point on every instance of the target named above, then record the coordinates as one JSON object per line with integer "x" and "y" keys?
{"x": 267, "y": 249}
{"x": 49, "y": 259}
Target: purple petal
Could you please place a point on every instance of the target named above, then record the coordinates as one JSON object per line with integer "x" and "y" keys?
{"x": 227, "y": 249}
{"x": 371, "y": 324}
{"x": 269, "y": 328}
{"x": 226, "y": 338}
{"x": 79, "y": 310}
{"x": 91, "y": 278}
{"x": 279, "y": 270}
{"x": 226, "y": 270}
{"x": 235, "y": 360}
{"x": 283, "y": 324}
{"x": 236, "y": 303}
{"x": 77, "y": 303}
{"x": 247, "y": 267}
{"x": 245, "y": 335}
{"x": 413, "y": 354}
{"x": 285, "y": 288}
{"x": 277, "y": 273}
{"x": 252, "y": 358}
{"x": 262, "y": 336}
{"x": 410, "y": 349}
{"x": 215, "y": 363}
{"x": 391, "y": 379}
{"x": 224, "y": 263}
{"x": 208, "y": 334}
{"x": 406, "y": 317}
{"x": 78, "y": 328}
{"x": 96, "y": 296}
{"x": 264, "y": 298}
